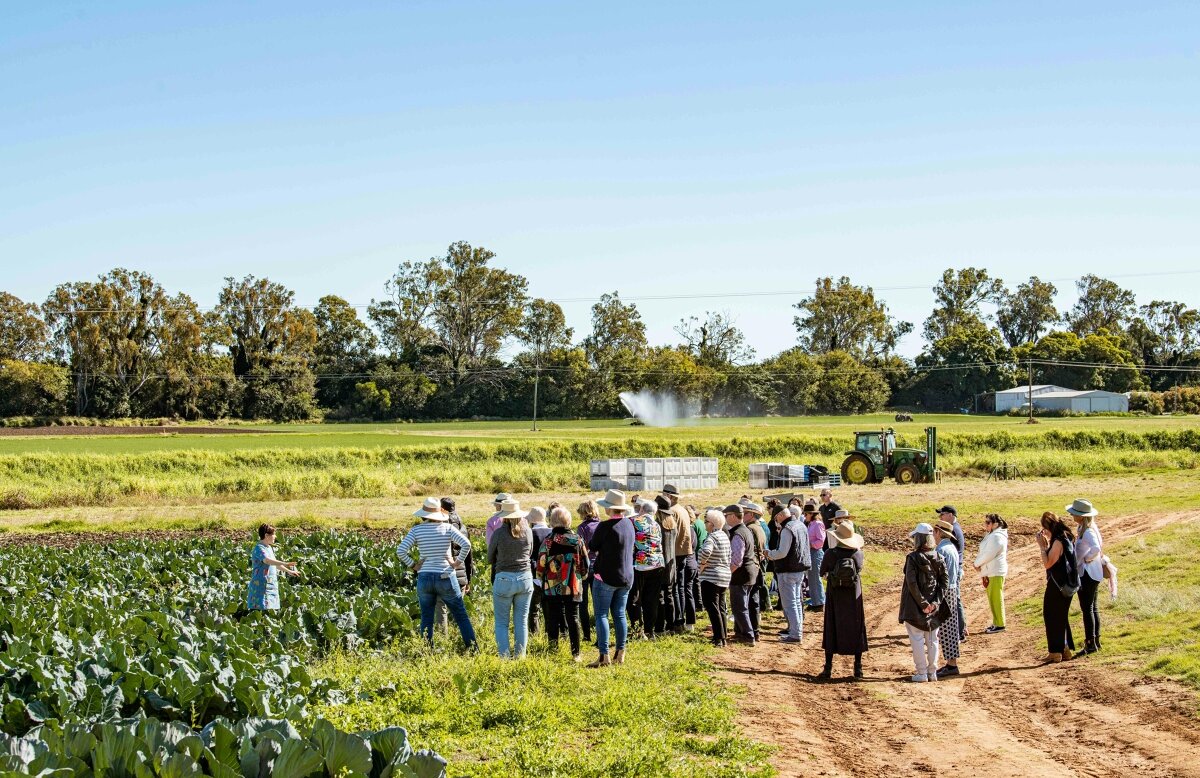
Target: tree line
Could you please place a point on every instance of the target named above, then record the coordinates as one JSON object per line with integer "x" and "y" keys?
{"x": 457, "y": 336}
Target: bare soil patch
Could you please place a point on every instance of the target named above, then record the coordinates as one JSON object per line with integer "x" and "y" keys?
{"x": 167, "y": 429}
{"x": 1006, "y": 715}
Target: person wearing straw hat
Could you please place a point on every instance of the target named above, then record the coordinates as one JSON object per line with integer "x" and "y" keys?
{"x": 612, "y": 575}
{"x": 509, "y": 554}
{"x": 845, "y": 617}
{"x": 1089, "y": 552}
{"x": 948, "y": 633}
{"x": 923, "y": 602}
{"x": 436, "y": 576}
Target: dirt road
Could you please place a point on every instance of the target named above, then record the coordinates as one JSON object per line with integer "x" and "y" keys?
{"x": 1006, "y": 715}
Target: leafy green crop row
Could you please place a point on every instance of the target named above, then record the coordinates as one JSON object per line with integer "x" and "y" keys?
{"x": 99, "y": 633}
{"x": 250, "y": 748}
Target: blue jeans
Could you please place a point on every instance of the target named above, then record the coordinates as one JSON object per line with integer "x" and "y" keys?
{"x": 431, "y": 587}
{"x": 792, "y": 599}
{"x": 607, "y": 598}
{"x": 511, "y": 594}
{"x": 816, "y": 592}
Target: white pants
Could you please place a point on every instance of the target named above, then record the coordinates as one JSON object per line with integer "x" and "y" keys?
{"x": 924, "y": 649}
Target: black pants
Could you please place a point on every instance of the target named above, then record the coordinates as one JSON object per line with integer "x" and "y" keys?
{"x": 666, "y": 613}
{"x": 713, "y": 597}
{"x": 682, "y": 593}
{"x": 697, "y": 599}
{"x": 1089, "y": 591}
{"x": 585, "y": 618}
{"x": 562, "y": 613}
{"x": 535, "y": 607}
{"x": 648, "y": 587}
{"x": 759, "y": 600}
{"x": 1056, "y": 613}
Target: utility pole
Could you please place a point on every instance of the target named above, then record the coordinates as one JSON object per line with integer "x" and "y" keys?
{"x": 537, "y": 371}
{"x": 1029, "y": 363}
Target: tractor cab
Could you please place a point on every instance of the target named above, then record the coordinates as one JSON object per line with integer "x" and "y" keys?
{"x": 875, "y": 444}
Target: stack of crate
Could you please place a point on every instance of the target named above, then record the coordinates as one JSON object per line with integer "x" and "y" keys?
{"x": 776, "y": 475}
{"x": 650, "y": 475}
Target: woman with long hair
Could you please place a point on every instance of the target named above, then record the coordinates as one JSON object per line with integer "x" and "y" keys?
{"x": 509, "y": 553}
{"x": 589, "y": 518}
{"x": 1057, "y": 545}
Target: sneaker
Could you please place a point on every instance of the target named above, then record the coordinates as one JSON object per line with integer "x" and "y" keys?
{"x": 919, "y": 678}
{"x": 931, "y": 677}
{"x": 815, "y": 609}
{"x": 788, "y": 639}
{"x": 948, "y": 670}
{"x": 783, "y": 632}
{"x": 992, "y": 630}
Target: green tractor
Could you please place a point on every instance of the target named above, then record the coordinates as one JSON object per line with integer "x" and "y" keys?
{"x": 876, "y": 457}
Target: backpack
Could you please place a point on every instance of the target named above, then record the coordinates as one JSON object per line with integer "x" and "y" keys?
{"x": 1070, "y": 585}
{"x": 844, "y": 574}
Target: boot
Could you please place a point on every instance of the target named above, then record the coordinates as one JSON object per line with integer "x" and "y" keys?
{"x": 619, "y": 657}
{"x": 858, "y": 671}
{"x": 602, "y": 661}
{"x": 1066, "y": 655}
{"x": 1053, "y": 657}
{"x": 827, "y": 673}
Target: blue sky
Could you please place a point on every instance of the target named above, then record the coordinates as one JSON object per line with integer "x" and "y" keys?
{"x": 651, "y": 148}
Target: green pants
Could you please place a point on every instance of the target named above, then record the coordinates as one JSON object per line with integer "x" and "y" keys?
{"x": 995, "y": 594}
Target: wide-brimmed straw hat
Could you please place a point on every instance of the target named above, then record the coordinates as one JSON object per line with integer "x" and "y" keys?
{"x": 614, "y": 500}
{"x": 845, "y": 535}
{"x": 842, "y": 515}
{"x": 511, "y": 509}
{"x": 1082, "y": 508}
{"x": 749, "y": 506}
{"x": 432, "y": 510}
{"x": 944, "y": 526}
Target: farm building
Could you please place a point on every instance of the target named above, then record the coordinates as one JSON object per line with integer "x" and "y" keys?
{"x": 1050, "y": 397}
{"x": 1018, "y": 396}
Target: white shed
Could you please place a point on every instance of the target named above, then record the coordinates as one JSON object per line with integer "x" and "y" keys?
{"x": 1093, "y": 401}
{"x": 1018, "y": 396}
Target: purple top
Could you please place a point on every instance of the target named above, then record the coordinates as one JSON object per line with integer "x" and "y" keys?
{"x": 586, "y": 531}
{"x": 816, "y": 533}
{"x": 737, "y": 550}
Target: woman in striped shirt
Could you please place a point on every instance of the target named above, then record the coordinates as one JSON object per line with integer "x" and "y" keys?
{"x": 435, "y": 568}
{"x": 715, "y": 573}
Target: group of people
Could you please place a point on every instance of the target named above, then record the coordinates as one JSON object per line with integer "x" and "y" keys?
{"x": 649, "y": 566}
{"x": 931, "y": 598}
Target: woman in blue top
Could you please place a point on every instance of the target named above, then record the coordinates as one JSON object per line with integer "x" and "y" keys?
{"x": 263, "y": 592}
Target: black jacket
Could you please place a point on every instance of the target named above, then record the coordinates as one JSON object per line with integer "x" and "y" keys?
{"x": 925, "y": 584}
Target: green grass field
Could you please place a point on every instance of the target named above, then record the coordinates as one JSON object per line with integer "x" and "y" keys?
{"x": 365, "y": 461}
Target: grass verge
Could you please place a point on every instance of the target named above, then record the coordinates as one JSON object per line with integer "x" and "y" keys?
{"x": 1153, "y": 627}
{"x": 660, "y": 714}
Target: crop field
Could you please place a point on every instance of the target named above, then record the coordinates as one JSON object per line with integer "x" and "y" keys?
{"x": 306, "y": 461}
{"x": 125, "y": 647}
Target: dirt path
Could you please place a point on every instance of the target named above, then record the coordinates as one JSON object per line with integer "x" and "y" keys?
{"x": 1006, "y": 715}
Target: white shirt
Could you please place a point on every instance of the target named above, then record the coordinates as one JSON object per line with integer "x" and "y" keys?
{"x": 1089, "y": 546}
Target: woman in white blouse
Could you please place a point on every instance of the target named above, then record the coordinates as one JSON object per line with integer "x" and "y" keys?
{"x": 1089, "y": 552}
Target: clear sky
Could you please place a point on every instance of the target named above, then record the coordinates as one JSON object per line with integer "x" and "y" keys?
{"x": 653, "y": 148}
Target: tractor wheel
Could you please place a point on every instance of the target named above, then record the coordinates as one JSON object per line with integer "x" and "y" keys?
{"x": 908, "y": 474}
{"x": 857, "y": 469}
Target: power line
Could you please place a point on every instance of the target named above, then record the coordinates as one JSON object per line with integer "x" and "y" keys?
{"x": 634, "y": 298}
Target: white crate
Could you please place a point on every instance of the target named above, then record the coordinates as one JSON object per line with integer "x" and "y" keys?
{"x": 613, "y": 468}
{"x": 708, "y": 466}
{"x": 691, "y": 465}
{"x": 636, "y": 483}
{"x": 672, "y": 466}
{"x": 635, "y": 467}
{"x": 709, "y": 482}
{"x": 652, "y": 485}
{"x": 692, "y": 482}
{"x": 654, "y": 467}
